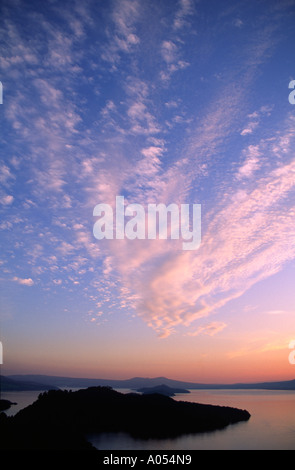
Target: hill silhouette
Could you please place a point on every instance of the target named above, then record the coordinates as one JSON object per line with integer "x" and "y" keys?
{"x": 60, "y": 420}
{"x": 140, "y": 382}
{"x": 16, "y": 385}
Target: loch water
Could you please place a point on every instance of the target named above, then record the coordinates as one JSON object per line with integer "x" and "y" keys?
{"x": 270, "y": 427}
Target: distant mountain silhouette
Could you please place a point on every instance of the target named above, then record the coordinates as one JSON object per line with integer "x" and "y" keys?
{"x": 59, "y": 420}
{"x": 163, "y": 390}
{"x": 11, "y": 385}
{"x": 140, "y": 382}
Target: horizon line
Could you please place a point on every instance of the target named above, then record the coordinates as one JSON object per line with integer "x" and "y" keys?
{"x": 146, "y": 378}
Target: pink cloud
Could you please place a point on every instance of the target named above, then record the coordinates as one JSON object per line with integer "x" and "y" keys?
{"x": 24, "y": 282}
{"x": 209, "y": 329}
{"x": 6, "y": 200}
{"x": 246, "y": 240}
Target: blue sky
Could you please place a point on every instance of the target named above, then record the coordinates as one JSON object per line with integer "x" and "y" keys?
{"x": 162, "y": 102}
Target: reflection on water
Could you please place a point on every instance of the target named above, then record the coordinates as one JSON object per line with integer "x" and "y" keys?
{"x": 22, "y": 399}
{"x": 271, "y": 426}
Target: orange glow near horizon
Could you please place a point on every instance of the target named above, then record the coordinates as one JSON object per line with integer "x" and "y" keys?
{"x": 218, "y": 366}
{"x": 175, "y": 104}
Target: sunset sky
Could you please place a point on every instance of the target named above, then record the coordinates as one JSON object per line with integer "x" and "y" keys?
{"x": 159, "y": 101}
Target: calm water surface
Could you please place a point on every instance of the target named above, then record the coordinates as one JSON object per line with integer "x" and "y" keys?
{"x": 22, "y": 399}
{"x": 271, "y": 426}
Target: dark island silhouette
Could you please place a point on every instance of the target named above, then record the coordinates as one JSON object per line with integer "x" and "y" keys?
{"x": 163, "y": 390}
{"x": 5, "y": 404}
{"x": 61, "y": 420}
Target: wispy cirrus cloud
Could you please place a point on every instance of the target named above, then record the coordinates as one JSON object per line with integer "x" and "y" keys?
{"x": 172, "y": 58}
{"x": 81, "y": 149}
{"x": 123, "y": 37}
{"x": 248, "y": 237}
{"x": 182, "y": 15}
{"x": 252, "y": 162}
{"x": 209, "y": 329}
{"x": 179, "y": 288}
{"x": 255, "y": 119}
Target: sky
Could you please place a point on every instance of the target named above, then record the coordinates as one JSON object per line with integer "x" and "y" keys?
{"x": 161, "y": 102}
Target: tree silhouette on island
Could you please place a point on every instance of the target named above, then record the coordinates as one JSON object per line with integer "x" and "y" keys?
{"x": 60, "y": 420}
